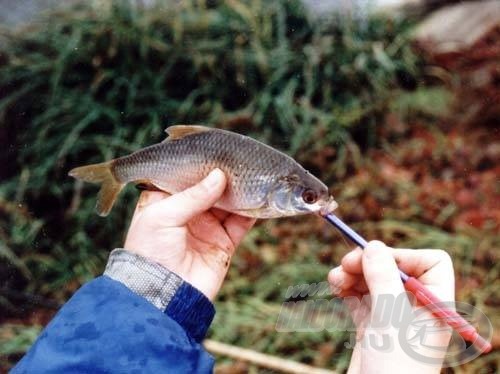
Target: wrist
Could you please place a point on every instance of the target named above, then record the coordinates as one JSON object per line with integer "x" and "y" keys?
{"x": 163, "y": 288}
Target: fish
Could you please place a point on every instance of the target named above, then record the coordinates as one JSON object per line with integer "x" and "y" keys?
{"x": 262, "y": 182}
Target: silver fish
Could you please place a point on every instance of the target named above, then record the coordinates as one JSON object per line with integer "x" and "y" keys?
{"x": 262, "y": 182}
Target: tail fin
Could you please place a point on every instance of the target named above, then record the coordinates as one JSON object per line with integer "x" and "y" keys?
{"x": 110, "y": 186}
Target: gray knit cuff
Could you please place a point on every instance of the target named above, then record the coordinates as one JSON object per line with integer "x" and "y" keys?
{"x": 150, "y": 280}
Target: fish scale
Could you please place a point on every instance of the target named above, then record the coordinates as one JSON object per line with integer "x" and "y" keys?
{"x": 255, "y": 172}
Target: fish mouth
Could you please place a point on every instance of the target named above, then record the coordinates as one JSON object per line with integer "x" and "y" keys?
{"x": 329, "y": 206}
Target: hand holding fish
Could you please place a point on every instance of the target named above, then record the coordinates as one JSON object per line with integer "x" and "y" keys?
{"x": 185, "y": 234}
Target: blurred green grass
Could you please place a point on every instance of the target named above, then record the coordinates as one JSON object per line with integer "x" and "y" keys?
{"x": 93, "y": 83}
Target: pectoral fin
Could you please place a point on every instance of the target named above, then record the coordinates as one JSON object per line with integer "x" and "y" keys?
{"x": 146, "y": 185}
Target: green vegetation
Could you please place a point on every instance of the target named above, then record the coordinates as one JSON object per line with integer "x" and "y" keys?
{"x": 90, "y": 84}
{"x": 94, "y": 84}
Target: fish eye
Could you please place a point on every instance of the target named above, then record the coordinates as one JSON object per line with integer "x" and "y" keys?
{"x": 309, "y": 196}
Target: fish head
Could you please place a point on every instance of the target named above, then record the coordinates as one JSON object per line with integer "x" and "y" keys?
{"x": 300, "y": 193}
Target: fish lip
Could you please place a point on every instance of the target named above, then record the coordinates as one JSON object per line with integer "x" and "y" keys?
{"x": 329, "y": 207}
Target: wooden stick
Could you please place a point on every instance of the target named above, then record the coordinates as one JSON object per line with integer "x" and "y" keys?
{"x": 261, "y": 359}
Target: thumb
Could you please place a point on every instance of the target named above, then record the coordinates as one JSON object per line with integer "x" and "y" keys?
{"x": 380, "y": 271}
{"x": 179, "y": 208}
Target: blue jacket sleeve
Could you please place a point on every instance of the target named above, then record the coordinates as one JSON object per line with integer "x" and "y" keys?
{"x": 107, "y": 328}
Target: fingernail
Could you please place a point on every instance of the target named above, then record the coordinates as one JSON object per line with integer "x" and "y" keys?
{"x": 375, "y": 249}
{"x": 213, "y": 179}
{"x": 352, "y": 254}
{"x": 335, "y": 279}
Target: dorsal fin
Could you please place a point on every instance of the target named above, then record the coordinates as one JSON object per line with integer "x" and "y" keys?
{"x": 180, "y": 131}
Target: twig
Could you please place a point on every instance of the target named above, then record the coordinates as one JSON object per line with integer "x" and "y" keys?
{"x": 261, "y": 359}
